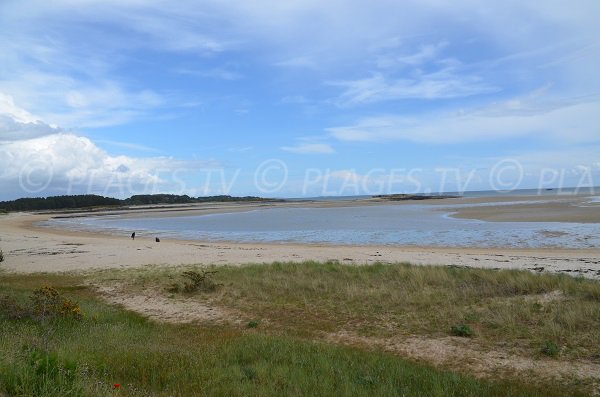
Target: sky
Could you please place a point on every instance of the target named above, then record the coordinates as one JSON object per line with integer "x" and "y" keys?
{"x": 297, "y": 98}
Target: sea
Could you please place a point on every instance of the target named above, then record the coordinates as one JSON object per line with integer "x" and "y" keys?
{"x": 398, "y": 225}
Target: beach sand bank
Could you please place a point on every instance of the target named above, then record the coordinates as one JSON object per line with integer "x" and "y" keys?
{"x": 29, "y": 248}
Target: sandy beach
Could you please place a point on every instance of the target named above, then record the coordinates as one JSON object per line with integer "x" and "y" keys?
{"x": 577, "y": 209}
{"x": 30, "y": 248}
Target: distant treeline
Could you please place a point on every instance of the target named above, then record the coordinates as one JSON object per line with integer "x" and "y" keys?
{"x": 146, "y": 199}
{"x": 405, "y": 197}
{"x": 92, "y": 200}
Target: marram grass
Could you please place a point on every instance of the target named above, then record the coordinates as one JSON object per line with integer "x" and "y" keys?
{"x": 114, "y": 352}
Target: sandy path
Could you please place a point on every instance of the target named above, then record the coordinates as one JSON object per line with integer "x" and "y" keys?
{"x": 476, "y": 359}
{"x": 33, "y": 249}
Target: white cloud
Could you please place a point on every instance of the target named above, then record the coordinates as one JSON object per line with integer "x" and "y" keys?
{"x": 65, "y": 101}
{"x": 434, "y": 86}
{"x": 552, "y": 121}
{"x": 216, "y": 73}
{"x": 425, "y": 53}
{"x": 12, "y": 130}
{"x": 82, "y": 64}
{"x": 309, "y": 148}
{"x": 128, "y": 145}
{"x": 18, "y": 124}
{"x": 241, "y": 149}
{"x": 8, "y": 107}
{"x": 65, "y": 163}
{"x": 37, "y": 159}
{"x": 333, "y": 36}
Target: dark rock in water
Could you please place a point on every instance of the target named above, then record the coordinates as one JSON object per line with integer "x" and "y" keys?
{"x": 157, "y": 240}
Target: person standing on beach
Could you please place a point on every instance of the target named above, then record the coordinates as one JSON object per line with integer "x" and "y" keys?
{"x": 133, "y": 236}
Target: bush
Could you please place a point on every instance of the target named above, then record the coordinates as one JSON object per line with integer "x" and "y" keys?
{"x": 550, "y": 349}
{"x": 196, "y": 281}
{"x": 1, "y": 256}
{"x": 47, "y": 302}
{"x": 252, "y": 324}
{"x": 10, "y": 308}
{"x": 461, "y": 330}
{"x": 44, "y": 303}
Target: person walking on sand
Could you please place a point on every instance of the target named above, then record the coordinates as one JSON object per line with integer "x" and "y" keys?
{"x": 133, "y": 236}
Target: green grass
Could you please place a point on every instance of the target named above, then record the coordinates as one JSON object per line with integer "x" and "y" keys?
{"x": 110, "y": 345}
{"x": 308, "y": 299}
{"x": 291, "y": 304}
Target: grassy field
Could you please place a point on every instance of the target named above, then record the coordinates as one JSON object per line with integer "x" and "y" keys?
{"x": 277, "y": 347}
{"x": 518, "y": 308}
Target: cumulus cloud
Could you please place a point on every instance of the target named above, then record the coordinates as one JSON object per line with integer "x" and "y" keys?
{"x": 37, "y": 159}
{"x": 18, "y": 124}
{"x": 11, "y": 129}
{"x": 65, "y": 163}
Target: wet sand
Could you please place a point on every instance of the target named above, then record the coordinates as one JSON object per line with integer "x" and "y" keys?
{"x": 577, "y": 209}
{"x": 29, "y": 248}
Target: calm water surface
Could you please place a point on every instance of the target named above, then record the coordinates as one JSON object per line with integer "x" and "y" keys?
{"x": 384, "y": 225}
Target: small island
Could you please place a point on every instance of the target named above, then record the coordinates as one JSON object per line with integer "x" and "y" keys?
{"x": 406, "y": 197}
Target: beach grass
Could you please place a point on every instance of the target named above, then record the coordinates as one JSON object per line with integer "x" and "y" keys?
{"x": 514, "y": 308}
{"x": 290, "y": 306}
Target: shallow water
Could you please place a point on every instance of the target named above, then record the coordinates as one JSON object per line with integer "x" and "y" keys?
{"x": 385, "y": 225}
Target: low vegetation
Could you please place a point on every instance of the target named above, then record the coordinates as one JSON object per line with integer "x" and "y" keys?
{"x": 278, "y": 346}
{"x": 45, "y": 303}
{"x": 195, "y": 281}
{"x": 110, "y": 351}
{"x": 550, "y": 349}
{"x": 518, "y": 309}
{"x": 461, "y": 330}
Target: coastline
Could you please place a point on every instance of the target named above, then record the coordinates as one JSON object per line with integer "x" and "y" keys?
{"x": 29, "y": 248}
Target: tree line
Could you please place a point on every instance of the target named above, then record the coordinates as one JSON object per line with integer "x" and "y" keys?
{"x": 93, "y": 200}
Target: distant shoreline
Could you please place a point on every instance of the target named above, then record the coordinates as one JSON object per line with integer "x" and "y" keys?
{"x": 28, "y": 248}
{"x": 559, "y": 208}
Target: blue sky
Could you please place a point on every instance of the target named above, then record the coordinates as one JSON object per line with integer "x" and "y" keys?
{"x": 297, "y": 98}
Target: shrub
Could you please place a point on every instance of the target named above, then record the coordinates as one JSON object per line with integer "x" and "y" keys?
{"x": 252, "y": 324}
{"x": 47, "y": 302}
{"x": 461, "y": 330}
{"x": 10, "y": 308}
{"x": 550, "y": 349}
{"x": 1, "y": 256}
{"x": 44, "y": 303}
{"x": 196, "y": 281}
